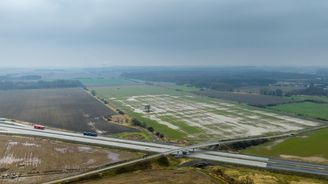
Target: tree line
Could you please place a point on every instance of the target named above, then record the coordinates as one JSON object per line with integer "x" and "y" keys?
{"x": 8, "y": 85}
{"x": 141, "y": 124}
{"x": 215, "y": 79}
{"x": 311, "y": 90}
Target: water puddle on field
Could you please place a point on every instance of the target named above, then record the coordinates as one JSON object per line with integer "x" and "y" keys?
{"x": 113, "y": 156}
{"x": 85, "y": 149}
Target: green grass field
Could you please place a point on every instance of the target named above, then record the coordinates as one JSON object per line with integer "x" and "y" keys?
{"x": 143, "y": 136}
{"x": 185, "y": 88}
{"x": 306, "y": 109}
{"x": 312, "y": 144}
{"x": 323, "y": 99}
{"x": 168, "y": 132}
{"x": 124, "y": 91}
{"x": 136, "y": 90}
{"x": 105, "y": 82}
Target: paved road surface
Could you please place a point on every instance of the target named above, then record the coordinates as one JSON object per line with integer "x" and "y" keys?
{"x": 161, "y": 149}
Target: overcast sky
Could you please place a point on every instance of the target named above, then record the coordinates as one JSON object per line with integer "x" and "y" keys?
{"x": 163, "y": 32}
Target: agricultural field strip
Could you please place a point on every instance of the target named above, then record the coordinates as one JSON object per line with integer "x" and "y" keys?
{"x": 139, "y": 143}
{"x": 72, "y": 178}
{"x": 28, "y": 128}
{"x": 54, "y": 132}
{"x": 136, "y": 142}
{"x": 59, "y": 108}
{"x": 316, "y": 110}
{"x": 159, "y": 148}
{"x": 33, "y": 156}
{"x": 82, "y": 139}
{"x": 228, "y": 158}
{"x": 215, "y": 158}
{"x": 154, "y": 144}
{"x": 218, "y": 118}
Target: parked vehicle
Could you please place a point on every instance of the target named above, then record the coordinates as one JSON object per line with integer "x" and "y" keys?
{"x": 88, "y": 133}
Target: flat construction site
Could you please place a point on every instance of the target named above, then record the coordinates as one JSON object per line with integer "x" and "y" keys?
{"x": 72, "y": 109}
{"x": 198, "y": 117}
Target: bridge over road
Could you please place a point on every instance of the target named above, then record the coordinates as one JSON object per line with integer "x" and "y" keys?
{"x": 193, "y": 151}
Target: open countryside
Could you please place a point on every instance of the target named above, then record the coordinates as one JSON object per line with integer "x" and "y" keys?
{"x": 71, "y": 108}
{"x": 163, "y": 92}
{"x": 33, "y": 160}
{"x": 310, "y": 147}
{"x": 99, "y": 82}
{"x": 182, "y": 114}
{"x": 313, "y": 110}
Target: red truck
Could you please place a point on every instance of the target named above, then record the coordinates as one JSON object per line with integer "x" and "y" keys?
{"x": 40, "y": 127}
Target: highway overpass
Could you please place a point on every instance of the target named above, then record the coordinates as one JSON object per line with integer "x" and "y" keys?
{"x": 9, "y": 127}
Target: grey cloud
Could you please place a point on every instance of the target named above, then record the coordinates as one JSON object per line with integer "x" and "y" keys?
{"x": 161, "y": 32}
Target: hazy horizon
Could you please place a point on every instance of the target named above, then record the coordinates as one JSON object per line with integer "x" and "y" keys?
{"x": 100, "y": 33}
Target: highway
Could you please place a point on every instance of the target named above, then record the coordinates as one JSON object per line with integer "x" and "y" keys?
{"x": 164, "y": 149}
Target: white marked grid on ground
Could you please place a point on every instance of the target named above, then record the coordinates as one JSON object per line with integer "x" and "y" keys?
{"x": 219, "y": 119}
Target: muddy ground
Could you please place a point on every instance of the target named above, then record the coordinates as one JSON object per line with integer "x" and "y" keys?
{"x": 31, "y": 160}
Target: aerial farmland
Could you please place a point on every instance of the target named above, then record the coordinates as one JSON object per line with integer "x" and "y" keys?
{"x": 163, "y": 92}
{"x": 71, "y": 109}
{"x": 29, "y": 160}
{"x": 196, "y": 118}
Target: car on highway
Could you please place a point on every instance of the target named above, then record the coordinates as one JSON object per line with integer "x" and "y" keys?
{"x": 40, "y": 127}
{"x": 89, "y": 133}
